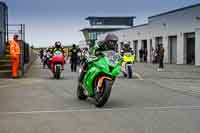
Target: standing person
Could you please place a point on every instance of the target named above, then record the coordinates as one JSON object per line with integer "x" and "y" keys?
{"x": 157, "y": 54}
{"x": 141, "y": 54}
{"x": 74, "y": 58}
{"x": 15, "y": 55}
{"x": 47, "y": 55}
{"x": 41, "y": 54}
{"x": 44, "y": 59}
{"x": 161, "y": 56}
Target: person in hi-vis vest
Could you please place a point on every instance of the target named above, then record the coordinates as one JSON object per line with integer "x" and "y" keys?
{"x": 15, "y": 55}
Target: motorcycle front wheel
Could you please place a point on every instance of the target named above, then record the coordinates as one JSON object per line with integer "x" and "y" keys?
{"x": 104, "y": 96}
{"x": 80, "y": 93}
{"x": 130, "y": 71}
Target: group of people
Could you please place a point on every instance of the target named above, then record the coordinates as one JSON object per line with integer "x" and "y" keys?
{"x": 76, "y": 55}
{"x": 45, "y": 55}
{"x": 160, "y": 56}
{"x": 157, "y": 55}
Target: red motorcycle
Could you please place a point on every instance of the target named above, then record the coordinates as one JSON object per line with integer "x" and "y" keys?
{"x": 57, "y": 64}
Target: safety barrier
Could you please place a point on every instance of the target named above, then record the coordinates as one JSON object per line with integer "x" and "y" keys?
{"x": 28, "y": 57}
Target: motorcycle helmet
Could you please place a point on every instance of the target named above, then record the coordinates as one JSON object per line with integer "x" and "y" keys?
{"x": 86, "y": 49}
{"x": 126, "y": 45}
{"x": 58, "y": 44}
{"x": 74, "y": 46}
{"x": 111, "y": 42}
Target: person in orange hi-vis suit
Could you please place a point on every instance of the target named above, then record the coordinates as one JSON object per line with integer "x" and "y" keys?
{"x": 15, "y": 55}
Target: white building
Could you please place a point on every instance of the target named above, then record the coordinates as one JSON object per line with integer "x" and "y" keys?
{"x": 177, "y": 30}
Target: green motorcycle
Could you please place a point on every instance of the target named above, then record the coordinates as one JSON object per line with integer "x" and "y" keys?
{"x": 98, "y": 78}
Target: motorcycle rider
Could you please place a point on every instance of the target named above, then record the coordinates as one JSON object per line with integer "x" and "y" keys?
{"x": 126, "y": 49}
{"x": 58, "y": 47}
{"x": 109, "y": 43}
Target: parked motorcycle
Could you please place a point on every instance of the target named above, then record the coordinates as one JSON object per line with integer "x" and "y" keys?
{"x": 98, "y": 78}
{"x": 57, "y": 62}
{"x": 128, "y": 61}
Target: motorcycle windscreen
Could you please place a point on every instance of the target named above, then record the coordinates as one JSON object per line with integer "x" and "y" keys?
{"x": 113, "y": 57}
{"x": 58, "y": 53}
{"x": 58, "y": 57}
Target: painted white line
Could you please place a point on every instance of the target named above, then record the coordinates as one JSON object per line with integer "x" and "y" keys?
{"x": 167, "y": 108}
{"x": 11, "y": 86}
{"x": 7, "y": 86}
{"x": 173, "y": 108}
{"x": 67, "y": 111}
{"x": 138, "y": 76}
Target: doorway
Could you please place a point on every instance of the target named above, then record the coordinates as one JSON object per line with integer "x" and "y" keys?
{"x": 144, "y": 44}
{"x": 190, "y": 48}
{"x": 135, "y": 48}
{"x": 173, "y": 49}
{"x": 145, "y": 50}
{"x": 151, "y": 51}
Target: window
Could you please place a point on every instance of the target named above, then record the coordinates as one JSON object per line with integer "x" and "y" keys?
{"x": 93, "y": 35}
{"x": 99, "y": 22}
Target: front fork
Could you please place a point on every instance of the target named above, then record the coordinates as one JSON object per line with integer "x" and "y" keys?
{"x": 82, "y": 71}
{"x": 81, "y": 76}
{"x": 124, "y": 68}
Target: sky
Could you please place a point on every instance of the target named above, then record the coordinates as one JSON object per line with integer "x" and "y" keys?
{"x": 48, "y": 21}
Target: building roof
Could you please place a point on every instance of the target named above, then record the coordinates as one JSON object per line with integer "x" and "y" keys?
{"x": 140, "y": 25}
{"x": 108, "y": 26}
{"x": 111, "y": 17}
{"x": 99, "y": 27}
{"x": 173, "y": 11}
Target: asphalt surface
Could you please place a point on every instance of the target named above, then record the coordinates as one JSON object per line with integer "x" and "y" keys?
{"x": 150, "y": 103}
